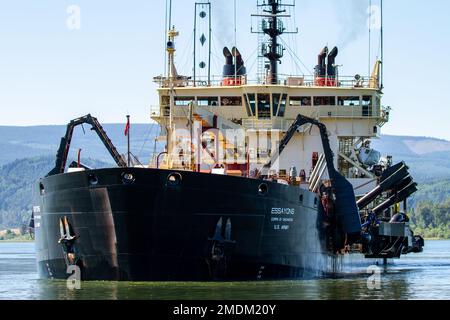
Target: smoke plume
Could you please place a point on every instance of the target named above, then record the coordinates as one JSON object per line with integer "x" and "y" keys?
{"x": 223, "y": 21}
{"x": 352, "y": 18}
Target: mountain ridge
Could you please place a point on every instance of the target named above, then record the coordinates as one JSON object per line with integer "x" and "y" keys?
{"x": 429, "y": 158}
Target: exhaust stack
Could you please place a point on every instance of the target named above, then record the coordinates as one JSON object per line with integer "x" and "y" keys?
{"x": 331, "y": 68}
{"x": 326, "y": 70}
{"x": 234, "y": 69}
{"x": 320, "y": 68}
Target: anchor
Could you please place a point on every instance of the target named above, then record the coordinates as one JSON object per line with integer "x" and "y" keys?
{"x": 220, "y": 249}
{"x": 67, "y": 241}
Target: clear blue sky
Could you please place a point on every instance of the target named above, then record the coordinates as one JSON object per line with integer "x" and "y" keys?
{"x": 50, "y": 74}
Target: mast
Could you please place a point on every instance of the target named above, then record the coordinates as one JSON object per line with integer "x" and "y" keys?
{"x": 191, "y": 133}
{"x": 172, "y": 78}
{"x": 275, "y": 52}
{"x": 235, "y": 41}
{"x": 273, "y": 27}
{"x": 168, "y": 26}
{"x": 128, "y": 141}
{"x": 202, "y": 42}
{"x": 382, "y": 46}
{"x": 370, "y": 35}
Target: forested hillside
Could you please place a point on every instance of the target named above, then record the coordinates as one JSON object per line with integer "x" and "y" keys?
{"x": 17, "y": 182}
{"x": 432, "y": 219}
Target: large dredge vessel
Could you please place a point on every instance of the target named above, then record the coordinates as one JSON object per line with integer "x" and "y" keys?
{"x": 273, "y": 179}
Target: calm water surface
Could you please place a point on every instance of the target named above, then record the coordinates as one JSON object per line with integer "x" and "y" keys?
{"x": 417, "y": 276}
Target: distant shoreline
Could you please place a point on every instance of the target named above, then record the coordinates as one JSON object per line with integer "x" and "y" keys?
{"x": 26, "y": 241}
{"x": 11, "y": 237}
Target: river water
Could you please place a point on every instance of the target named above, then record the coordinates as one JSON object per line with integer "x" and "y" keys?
{"x": 417, "y": 276}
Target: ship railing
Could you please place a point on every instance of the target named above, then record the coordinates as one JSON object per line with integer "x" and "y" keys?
{"x": 356, "y": 81}
{"x": 155, "y": 111}
{"x": 349, "y": 82}
{"x": 159, "y": 111}
{"x": 384, "y": 115}
{"x": 218, "y": 81}
{"x": 212, "y": 81}
{"x": 360, "y": 111}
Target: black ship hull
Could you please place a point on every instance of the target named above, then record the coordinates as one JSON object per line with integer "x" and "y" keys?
{"x": 149, "y": 225}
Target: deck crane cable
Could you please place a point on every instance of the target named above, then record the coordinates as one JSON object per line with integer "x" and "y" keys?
{"x": 214, "y": 56}
{"x": 253, "y": 58}
{"x": 291, "y": 54}
{"x": 147, "y": 136}
{"x": 291, "y": 37}
{"x": 295, "y": 57}
{"x": 217, "y": 59}
{"x": 295, "y": 24}
{"x": 185, "y": 59}
{"x": 370, "y": 35}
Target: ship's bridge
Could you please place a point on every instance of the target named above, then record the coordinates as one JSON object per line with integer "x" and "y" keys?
{"x": 351, "y": 114}
{"x": 257, "y": 106}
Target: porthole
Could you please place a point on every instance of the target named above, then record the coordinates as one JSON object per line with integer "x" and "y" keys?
{"x": 315, "y": 202}
{"x": 263, "y": 189}
{"x": 128, "y": 178}
{"x": 174, "y": 179}
{"x": 93, "y": 180}
{"x": 300, "y": 198}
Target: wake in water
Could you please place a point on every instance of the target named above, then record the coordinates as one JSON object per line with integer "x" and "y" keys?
{"x": 402, "y": 280}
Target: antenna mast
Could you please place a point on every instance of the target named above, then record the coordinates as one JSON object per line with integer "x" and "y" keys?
{"x": 273, "y": 27}
{"x": 235, "y": 40}
{"x": 370, "y": 35}
{"x": 168, "y": 26}
{"x": 382, "y": 46}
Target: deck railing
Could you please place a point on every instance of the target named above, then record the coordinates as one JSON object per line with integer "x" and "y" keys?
{"x": 283, "y": 80}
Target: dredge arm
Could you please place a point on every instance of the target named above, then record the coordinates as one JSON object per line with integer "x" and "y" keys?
{"x": 64, "y": 147}
{"x": 345, "y": 209}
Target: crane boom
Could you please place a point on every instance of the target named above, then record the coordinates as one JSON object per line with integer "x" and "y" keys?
{"x": 297, "y": 124}
{"x": 64, "y": 147}
{"x": 346, "y": 209}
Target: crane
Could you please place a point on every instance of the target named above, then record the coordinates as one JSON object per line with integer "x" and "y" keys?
{"x": 63, "y": 151}
{"x": 346, "y": 210}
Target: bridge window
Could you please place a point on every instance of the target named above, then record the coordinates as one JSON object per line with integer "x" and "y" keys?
{"x": 348, "y": 101}
{"x": 207, "y": 101}
{"x": 367, "y": 100}
{"x": 324, "y": 101}
{"x": 231, "y": 101}
{"x": 263, "y": 106}
{"x": 250, "y": 104}
{"x": 279, "y": 105}
{"x": 367, "y": 106}
{"x": 300, "y": 101}
{"x": 183, "y": 101}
